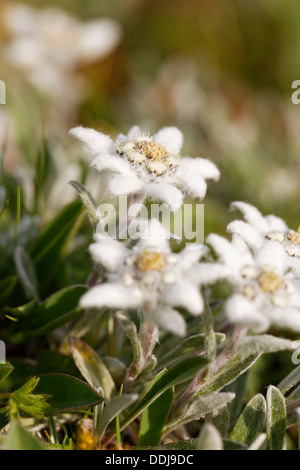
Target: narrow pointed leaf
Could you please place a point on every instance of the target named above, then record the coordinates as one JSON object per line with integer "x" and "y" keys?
{"x": 197, "y": 408}
{"x": 251, "y": 422}
{"x": 276, "y": 419}
{"x": 290, "y": 381}
{"x": 181, "y": 372}
{"x": 226, "y": 373}
{"x": 88, "y": 201}
{"x": 154, "y": 418}
{"x": 262, "y": 344}
{"x": 191, "y": 346}
{"x": 5, "y": 370}
{"x": 112, "y": 409}
{"x": 92, "y": 367}
{"x": 26, "y": 273}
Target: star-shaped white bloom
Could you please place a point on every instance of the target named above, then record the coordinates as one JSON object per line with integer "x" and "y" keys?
{"x": 151, "y": 278}
{"x": 265, "y": 293}
{"x": 256, "y": 229}
{"x": 146, "y": 165}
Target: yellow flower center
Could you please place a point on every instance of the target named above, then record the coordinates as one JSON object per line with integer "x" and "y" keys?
{"x": 145, "y": 153}
{"x": 269, "y": 281}
{"x": 294, "y": 237}
{"x": 151, "y": 261}
{"x": 152, "y": 150}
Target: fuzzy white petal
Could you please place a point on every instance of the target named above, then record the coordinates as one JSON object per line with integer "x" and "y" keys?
{"x": 96, "y": 143}
{"x": 112, "y": 163}
{"x": 112, "y": 295}
{"x": 251, "y": 215}
{"x": 164, "y": 192}
{"x": 123, "y": 185}
{"x": 109, "y": 253}
{"x": 276, "y": 224}
{"x": 272, "y": 255}
{"x": 170, "y": 137}
{"x": 191, "y": 183}
{"x": 285, "y": 319}
{"x": 249, "y": 234}
{"x": 209, "y": 273}
{"x": 242, "y": 248}
{"x": 203, "y": 166}
{"x": 186, "y": 295}
{"x": 241, "y": 311}
{"x": 154, "y": 235}
{"x": 188, "y": 257}
{"x": 170, "y": 320}
{"x": 226, "y": 251}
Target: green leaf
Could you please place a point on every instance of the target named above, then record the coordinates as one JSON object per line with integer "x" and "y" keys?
{"x": 209, "y": 438}
{"x": 26, "y": 273}
{"x": 67, "y": 393}
{"x": 181, "y": 372}
{"x": 22, "y": 310}
{"x": 112, "y": 409}
{"x": 31, "y": 403}
{"x": 197, "y": 408}
{"x": 220, "y": 419}
{"x": 92, "y": 367}
{"x": 276, "y": 419}
{"x": 194, "y": 345}
{"x": 52, "y": 244}
{"x": 290, "y": 381}
{"x": 5, "y": 370}
{"x": 20, "y": 439}
{"x": 262, "y": 344}
{"x": 234, "y": 366}
{"x": 238, "y": 387}
{"x": 50, "y": 362}
{"x": 251, "y": 422}
{"x": 54, "y": 312}
{"x": 88, "y": 201}
{"x": 154, "y": 418}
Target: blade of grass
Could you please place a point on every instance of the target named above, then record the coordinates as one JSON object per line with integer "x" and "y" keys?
{"x": 18, "y": 213}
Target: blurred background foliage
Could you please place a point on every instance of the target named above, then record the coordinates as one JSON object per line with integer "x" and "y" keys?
{"x": 221, "y": 71}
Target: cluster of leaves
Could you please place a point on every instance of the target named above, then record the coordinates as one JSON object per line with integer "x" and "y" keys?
{"x": 88, "y": 380}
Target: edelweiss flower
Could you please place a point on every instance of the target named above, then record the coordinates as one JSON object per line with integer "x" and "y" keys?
{"x": 148, "y": 277}
{"x": 265, "y": 294}
{"x": 257, "y": 229}
{"x": 148, "y": 165}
